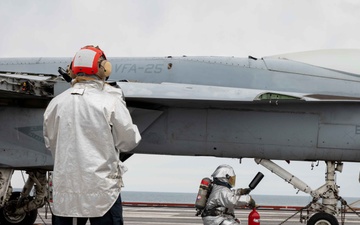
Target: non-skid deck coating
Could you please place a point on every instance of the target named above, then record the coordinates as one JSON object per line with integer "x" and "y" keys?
{"x": 138, "y": 215}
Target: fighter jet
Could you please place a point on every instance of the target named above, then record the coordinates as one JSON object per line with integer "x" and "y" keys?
{"x": 301, "y": 107}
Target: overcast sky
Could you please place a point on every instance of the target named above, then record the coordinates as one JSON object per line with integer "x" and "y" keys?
{"x": 187, "y": 27}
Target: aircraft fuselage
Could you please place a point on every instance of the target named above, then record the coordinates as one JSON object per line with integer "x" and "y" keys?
{"x": 290, "y": 130}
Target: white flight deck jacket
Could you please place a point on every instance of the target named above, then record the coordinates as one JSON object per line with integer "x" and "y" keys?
{"x": 86, "y": 127}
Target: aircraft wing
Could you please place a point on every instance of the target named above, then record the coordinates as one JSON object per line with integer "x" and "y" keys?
{"x": 28, "y": 89}
{"x": 37, "y": 87}
{"x": 200, "y": 96}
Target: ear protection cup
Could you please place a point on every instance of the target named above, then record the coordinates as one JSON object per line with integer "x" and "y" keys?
{"x": 104, "y": 69}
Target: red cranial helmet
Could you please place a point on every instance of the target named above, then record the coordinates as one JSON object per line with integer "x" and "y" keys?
{"x": 90, "y": 60}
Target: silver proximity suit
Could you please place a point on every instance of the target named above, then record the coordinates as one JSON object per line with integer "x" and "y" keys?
{"x": 221, "y": 204}
{"x": 86, "y": 128}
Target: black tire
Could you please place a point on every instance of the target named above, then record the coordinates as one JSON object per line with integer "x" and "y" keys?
{"x": 25, "y": 219}
{"x": 322, "y": 219}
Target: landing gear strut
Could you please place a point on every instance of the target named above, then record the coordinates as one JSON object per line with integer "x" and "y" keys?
{"x": 328, "y": 192}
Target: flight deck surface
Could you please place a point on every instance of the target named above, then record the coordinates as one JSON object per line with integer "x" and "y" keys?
{"x": 184, "y": 216}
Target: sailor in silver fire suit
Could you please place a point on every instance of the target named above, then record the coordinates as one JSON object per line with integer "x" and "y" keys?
{"x": 86, "y": 128}
{"x": 219, "y": 209}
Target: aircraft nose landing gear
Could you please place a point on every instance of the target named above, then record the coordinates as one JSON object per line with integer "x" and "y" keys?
{"x": 323, "y": 213}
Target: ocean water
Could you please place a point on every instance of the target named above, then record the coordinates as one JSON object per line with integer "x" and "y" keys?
{"x": 171, "y": 197}
{"x": 189, "y": 198}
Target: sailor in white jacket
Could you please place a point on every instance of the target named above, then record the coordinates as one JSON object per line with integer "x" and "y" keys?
{"x": 86, "y": 128}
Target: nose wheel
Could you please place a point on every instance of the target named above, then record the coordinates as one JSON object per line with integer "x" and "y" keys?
{"x": 322, "y": 219}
